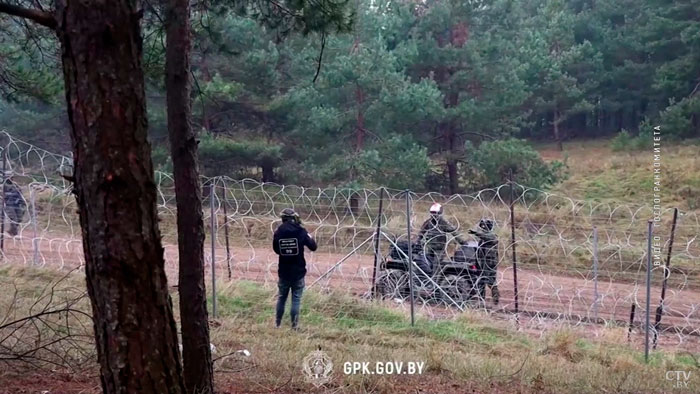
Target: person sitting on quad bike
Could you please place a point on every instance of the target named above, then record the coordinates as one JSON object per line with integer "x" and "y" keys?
{"x": 487, "y": 256}
{"x": 433, "y": 235}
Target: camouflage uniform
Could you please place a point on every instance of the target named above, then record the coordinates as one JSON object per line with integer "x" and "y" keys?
{"x": 487, "y": 256}
{"x": 433, "y": 234}
{"x": 14, "y": 206}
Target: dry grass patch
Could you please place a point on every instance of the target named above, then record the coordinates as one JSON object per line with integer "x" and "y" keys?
{"x": 472, "y": 352}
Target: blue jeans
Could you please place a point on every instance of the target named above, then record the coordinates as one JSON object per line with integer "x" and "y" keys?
{"x": 297, "y": 288}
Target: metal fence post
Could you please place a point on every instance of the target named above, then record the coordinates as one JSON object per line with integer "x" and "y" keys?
{"x": 646, "y": 335}
{"x": 595, "y": 274}
{"x": 376, "y": 243}
{"x": 228, "y": 250}
{"x": 633, "y": 309}
{"x": 212, "y": 194}
{"x": 35, "y": 239}
{"x": 667, "y": 273}
{"x": 410, "y": 254}
{"x": 512, "y": 241}
{"x": 2, "y": 225}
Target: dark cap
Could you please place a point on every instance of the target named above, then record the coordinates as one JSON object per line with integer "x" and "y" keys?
{"x": 288, "y": 213}
{"x": 486, "y": 224}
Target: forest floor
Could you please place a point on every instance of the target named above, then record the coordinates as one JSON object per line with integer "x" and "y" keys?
{"x": 467, "y": 353}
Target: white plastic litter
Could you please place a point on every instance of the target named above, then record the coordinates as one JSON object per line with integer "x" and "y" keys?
{"x": 244, "y": 352}
{"x": 211, "y": 346}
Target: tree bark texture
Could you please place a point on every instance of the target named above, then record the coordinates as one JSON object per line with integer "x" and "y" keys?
{"x": 557, "y": 134}
{"x": 453, "y": 175}
{"x": 452, "y": 145}
{"x": 198, "y": 370}
{"x": 360, "y": 121}
{"x": 268, "y": 172}
{"x": 134, "y": 327}
{"x": 451, "y": 162}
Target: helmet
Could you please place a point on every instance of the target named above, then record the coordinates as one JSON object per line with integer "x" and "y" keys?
{"x": 288, "y": 214}
{"x": 486, "y": 224}
{"x": 436, "y": 209}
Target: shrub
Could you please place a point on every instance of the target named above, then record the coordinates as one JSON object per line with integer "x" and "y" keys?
{"x": 624, "y": 141}
{"x": 161, "y": 158}
{"x": 224, "y": 156}
{"x": 489, "y": 165}
{"x": 621, "y": 142}
{"x": 679, "y": 119}
{"x": 397, "y": 163}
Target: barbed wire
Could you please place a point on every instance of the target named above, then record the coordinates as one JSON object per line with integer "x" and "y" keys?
{"x": 553, "y": 237}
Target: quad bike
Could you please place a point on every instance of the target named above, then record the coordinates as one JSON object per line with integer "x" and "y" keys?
{"x": 458, "y": 277}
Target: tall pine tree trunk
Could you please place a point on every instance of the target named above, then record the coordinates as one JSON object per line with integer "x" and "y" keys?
{"x": 359, "y": 143}
{"x": 453, "y": 176}
{"x": 451, "y": 161}
{"x": 134, "y": 327}
{"x": 268, "y": 172}
{"x": 360, "y": 120}
{"x": 196, "y": 354}
{"x": 557, "y": 133}
{"x": 452, "y": 146}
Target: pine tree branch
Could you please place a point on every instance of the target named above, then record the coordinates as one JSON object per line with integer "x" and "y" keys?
{"x": 695, "y": 90}
{"x": 320, "y": 56}
{"x": 484, "y": 136}
{"x": 40, "y": 17}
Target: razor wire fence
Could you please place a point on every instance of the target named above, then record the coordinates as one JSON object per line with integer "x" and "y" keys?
{"x": 557, "y": 280}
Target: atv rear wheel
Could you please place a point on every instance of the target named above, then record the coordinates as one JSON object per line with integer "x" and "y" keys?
{"x": 393, "y": 284}
{"x": 458, "y": 288}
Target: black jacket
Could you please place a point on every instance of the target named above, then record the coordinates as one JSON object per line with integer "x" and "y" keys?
{"x": 13, "y": 196}
{"x": 289, "y": 241}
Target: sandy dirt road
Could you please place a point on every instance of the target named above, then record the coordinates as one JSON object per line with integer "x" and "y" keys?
{"x": 554, "y": 297}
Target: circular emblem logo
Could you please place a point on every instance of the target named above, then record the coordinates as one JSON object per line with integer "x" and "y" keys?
{"x": 318, "y": 367}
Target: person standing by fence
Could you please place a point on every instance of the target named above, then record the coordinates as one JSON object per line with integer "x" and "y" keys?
{"x": 288, "y": 242}
{"x": 487, "y": 256}
{"x": 15, "y": 206}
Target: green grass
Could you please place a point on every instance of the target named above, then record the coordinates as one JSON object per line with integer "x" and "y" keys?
{"x": 342, "y": 312}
